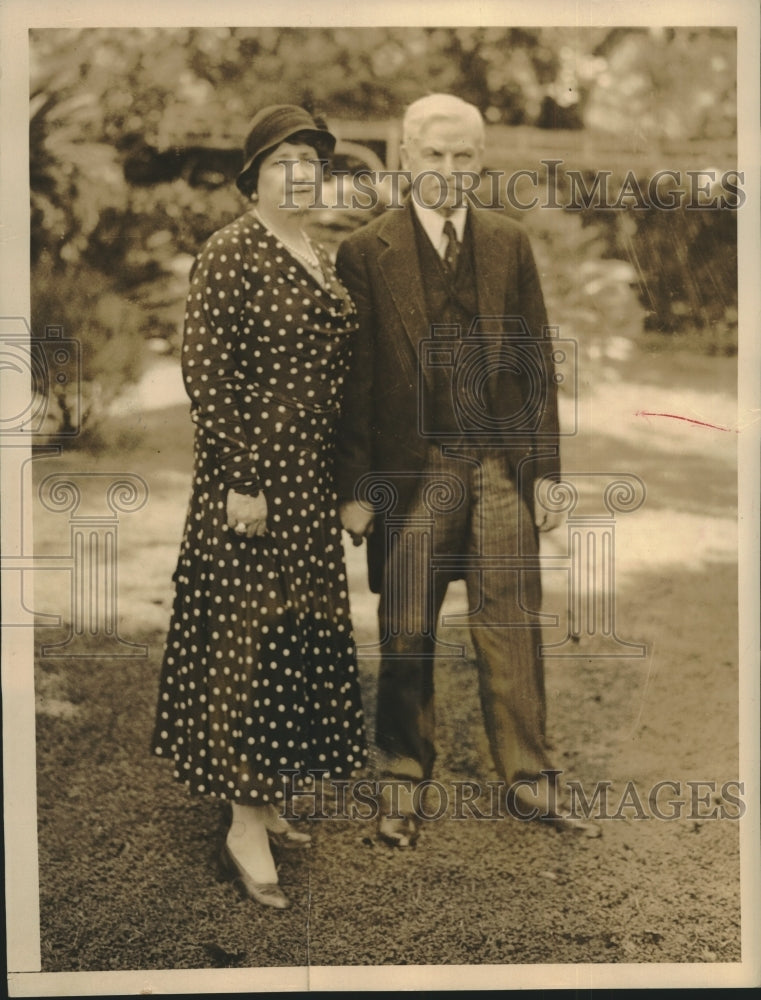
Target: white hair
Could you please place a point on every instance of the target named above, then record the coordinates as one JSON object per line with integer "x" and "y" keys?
{"x": 440, "y": 107}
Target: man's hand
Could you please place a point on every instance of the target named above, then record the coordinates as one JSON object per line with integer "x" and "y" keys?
{"x": 356, "y": 520}
{"x": 547, "y": 520}
{"x": 246, "y": 515}
{"x": 544, "y": 519}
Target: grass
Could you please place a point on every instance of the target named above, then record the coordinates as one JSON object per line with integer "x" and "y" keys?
{"x": 127, "y": 858}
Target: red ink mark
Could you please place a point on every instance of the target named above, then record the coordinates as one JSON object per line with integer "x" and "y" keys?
{"x": 675, "y": 416}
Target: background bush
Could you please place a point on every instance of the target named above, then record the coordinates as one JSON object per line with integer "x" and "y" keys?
{"x": 135, "y": 138}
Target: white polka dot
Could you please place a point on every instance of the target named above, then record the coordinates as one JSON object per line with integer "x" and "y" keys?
{"x": 275, "y": 589}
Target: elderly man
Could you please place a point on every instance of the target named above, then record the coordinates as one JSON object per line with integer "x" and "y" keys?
{"x": 450, "y": 421}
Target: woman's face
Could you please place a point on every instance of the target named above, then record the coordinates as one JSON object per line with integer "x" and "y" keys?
{"x": 289, "y": 177}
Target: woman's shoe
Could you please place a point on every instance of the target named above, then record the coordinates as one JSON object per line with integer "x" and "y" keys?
{"x": 282, "y": 833}
{"x": 290, "y": 839}
{"x": 266, "y": 893}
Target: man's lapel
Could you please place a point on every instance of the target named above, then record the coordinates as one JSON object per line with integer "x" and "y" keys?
{"x": 400, "y": 267}
{"x": 491, "y": 274}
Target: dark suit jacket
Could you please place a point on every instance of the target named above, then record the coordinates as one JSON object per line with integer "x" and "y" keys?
{"x": 379, "y": 431}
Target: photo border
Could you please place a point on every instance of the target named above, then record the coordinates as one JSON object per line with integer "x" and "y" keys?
{"x": 22, "y": 884}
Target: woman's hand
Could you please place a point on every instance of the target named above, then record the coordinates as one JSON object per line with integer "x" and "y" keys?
{"x": 246, "y": 515}
{"x": 356, "y": 520}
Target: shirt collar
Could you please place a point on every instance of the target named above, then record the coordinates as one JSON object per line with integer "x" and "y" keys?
{"x": 433, "y": 222}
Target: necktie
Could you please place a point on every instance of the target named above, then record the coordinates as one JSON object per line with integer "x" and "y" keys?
{"x": 451, "y": 248}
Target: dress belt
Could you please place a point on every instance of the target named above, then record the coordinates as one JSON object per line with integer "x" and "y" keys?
{"x": 310, "y": 406}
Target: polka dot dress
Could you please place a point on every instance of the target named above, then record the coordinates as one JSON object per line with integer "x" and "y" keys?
{"x": 259, "y": 676}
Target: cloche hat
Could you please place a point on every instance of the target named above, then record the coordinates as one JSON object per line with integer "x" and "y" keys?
{"x": 273, "y": 125}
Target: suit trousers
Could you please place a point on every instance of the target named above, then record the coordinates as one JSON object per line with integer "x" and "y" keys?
{"x": 467, "y": 519}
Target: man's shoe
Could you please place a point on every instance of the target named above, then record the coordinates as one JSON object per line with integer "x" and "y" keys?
{"x": 545, "y": 804}
{"x": 575, "y": 824}
{"x": 397, "y": 824}
{"x": 398, "y": 831}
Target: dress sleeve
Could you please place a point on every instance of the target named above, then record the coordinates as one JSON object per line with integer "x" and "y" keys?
{"x": 354, "y": 438}
{"x": 210, "y": 368}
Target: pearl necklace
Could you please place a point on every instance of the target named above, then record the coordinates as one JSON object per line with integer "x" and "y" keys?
{"x": 311, "y": 259}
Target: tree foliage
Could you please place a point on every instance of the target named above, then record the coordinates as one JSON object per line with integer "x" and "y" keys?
{"x": 100, "y": 97}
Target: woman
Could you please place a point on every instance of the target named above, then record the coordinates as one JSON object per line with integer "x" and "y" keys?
{"x": 259, "y": 680}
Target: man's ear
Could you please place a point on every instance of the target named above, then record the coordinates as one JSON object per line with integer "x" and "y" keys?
{"x": 403, "y": 158}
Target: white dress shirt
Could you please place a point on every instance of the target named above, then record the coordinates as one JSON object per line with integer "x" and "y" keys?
{"x": 433, "y": 224}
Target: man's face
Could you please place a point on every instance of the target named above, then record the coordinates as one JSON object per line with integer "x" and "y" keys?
{"x": 444, "y": 146}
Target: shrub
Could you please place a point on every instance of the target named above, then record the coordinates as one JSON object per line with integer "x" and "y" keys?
{"x": 110, "y": 330}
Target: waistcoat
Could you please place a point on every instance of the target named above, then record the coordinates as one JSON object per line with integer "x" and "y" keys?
{"x": 449, "y": 301}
